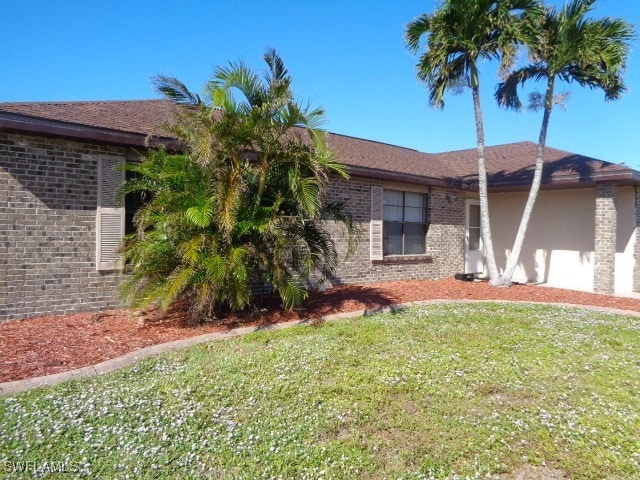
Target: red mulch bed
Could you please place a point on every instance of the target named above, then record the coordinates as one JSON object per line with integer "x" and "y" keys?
{"x": 45, "y": 345}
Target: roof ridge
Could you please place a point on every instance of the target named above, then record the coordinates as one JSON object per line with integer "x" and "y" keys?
{"x": 86, "y": 102}
{"x": 378, "y": 142}
{"x": 499, "y": 145}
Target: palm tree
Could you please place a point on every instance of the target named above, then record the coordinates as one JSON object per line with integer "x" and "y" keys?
{"x": 460, "y": 34}
{"x": 243, "y": 204}
{"x": 565, "y": 46}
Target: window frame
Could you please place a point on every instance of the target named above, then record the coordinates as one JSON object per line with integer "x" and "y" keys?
{"x": 404, "y": 224}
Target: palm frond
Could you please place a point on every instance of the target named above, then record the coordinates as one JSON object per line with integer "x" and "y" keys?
{"x": 216, "y": 268}
{"x": 191, "y": 249}
{"x": 236, "y": 75}
{"x": 221, "y": 98}
{"x": 177, "y": 283}
{"x": 506, "y": 93}
{"x": 174, "y": 89}
{"x": 277, "y": 72}
{"x": 309, "y": 195}
{"x": 338, "y": 212}
{"x": 328, "y": 162}
{"x": 201, "y": 215}
{"x": 415, "y": 30}
{"x": 292, "y": 293}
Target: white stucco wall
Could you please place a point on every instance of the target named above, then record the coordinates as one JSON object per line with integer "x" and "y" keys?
{"x": 625, "y": 240}
{"x": 558, "y": 249}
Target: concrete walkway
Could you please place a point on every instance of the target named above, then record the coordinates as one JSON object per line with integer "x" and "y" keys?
{"x": 131, "y": 358}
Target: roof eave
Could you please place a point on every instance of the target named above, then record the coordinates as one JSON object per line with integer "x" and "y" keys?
{"x": 19, "y": 123}
{"x": 565, "y": 181}
{"x": 378, "y": 174}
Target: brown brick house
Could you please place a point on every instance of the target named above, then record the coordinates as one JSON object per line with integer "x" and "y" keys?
{"x": 60, "y": 223}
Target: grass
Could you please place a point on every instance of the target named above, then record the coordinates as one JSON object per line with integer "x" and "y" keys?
{"x": 457, "y": 391}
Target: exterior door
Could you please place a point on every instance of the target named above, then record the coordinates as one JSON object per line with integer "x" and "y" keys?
{"x": 473, "y": 255}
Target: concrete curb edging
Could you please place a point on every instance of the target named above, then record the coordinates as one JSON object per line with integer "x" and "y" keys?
{"x": 131, "y": 358}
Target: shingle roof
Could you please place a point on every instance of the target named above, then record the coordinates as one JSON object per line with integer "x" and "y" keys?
{"x": 132, "y": 116}
{"x": 508, "y": 165}
{"x": 367, "y": 154}
{"x": 512, "y": 165}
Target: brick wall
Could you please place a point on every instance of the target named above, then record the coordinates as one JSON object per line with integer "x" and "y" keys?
{"x": 48, "y": 233}
{"x": 445, "y": 237}
{"x": 47, "y": 227}
{"x": 605, "y": 238}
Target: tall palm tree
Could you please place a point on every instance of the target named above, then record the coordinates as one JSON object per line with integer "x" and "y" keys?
{"x": 245, "y": 201}
{"x": 566, "y": 46}
{"x": 460, "y": 34}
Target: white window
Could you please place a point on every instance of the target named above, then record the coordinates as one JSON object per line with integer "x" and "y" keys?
{"x": 398, "y": 223}
{"x": 405, "y": 223}
{"x": 110, "y": 217}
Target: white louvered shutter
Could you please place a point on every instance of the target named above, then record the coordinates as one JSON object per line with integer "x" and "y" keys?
{"x": 110, "y": 215}
{"x": 375, "y": 244}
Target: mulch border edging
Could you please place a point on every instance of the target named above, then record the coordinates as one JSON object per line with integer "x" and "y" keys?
{"x": 131, "y": 358}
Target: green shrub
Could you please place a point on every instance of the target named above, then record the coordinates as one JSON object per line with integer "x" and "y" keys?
{"x": 244, "y": 203}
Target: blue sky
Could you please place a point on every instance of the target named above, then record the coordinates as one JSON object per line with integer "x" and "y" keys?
{"x": 347, "y": 56}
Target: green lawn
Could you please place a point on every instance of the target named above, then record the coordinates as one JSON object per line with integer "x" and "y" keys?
{"x": 454, "y": 391}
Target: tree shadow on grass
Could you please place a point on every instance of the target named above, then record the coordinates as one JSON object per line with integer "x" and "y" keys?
{"x": 349, "y": 298}
{"x": 267, "y": 309}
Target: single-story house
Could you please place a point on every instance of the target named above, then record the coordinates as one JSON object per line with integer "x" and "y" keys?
{"x": 60, "y": 223}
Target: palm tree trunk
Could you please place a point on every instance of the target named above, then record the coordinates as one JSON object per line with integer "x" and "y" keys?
{"x": 512, "y": 262}
{"x": 261, "y": 184}
{"x": 262, "y": 179}
{"x": 494, "y": 278}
